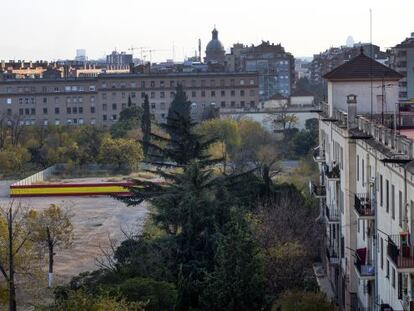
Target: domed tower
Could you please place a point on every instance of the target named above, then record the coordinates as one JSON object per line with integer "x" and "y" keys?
{"x": 215, "y": 51}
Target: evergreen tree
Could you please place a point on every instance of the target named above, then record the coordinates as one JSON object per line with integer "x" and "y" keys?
{"x": 237, "y": 282}
{"x": 146, "y": 126}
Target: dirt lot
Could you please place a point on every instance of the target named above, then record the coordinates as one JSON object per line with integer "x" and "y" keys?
{"x": 95, "y": 220}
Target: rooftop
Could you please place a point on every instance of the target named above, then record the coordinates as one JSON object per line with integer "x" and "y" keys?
{"x": 362, "y": 68}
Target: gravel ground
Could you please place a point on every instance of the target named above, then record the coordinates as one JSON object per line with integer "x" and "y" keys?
{"x": 96, "y": 219}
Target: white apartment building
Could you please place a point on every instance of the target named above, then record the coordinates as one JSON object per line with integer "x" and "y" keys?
{"x": 366, "y": 190}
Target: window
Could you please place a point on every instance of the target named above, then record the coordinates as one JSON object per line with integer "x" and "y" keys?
{"x": 104, "y": 107}
{"x": 172, "y": 83}
{"x": 241, "y": 92}
{"x": 212, "y": 83}
{"x": 162, "y": 94}
{"x": 152, "y": 83}
{"x": 152, "y": 95}
{"x": 123, "y": 106}
{"x": 44, "y": 110}
{"x": 8, "y": 101}
{"x": 57, "y": 110}
{"x": 382, "y": 254}
{"x": 213, "y": 93}
{"x": 9, "y": 112}
{"x": 222, "y": 82}
{"x": 114, "y": 106}
{"x": 103, "y": 95}
{"x": 75, "y": 109}
{"x": 45, "y": 100}
{"x": 80, "y": 110}
{"x": 393, "y": 201}
{"x": 381, "y": 191}
{"x": 387, "y": 196}
{"x": 232, "y": 104}
{"x": 232, "y": 82}
{"x": 223, "y": 104}
{"x": 242, "y": 104}
{"x": 223, "y": 93}
{"x": 114, "y": 116}
{"x": 162, "y": 84}
{"x": 104, "y": 117}
{"x": 57, "y": 121}
{"x": 233, "y": 93}
{"x": 400, "y": 204}
{"x": 241, "y": 82}
{"x": 92, "y": 99}
{"x": 363, "y": 172}
{"x": 21, "y": 111}
{"x": 123, "y": 95}
{"x": 153, "y": 106}
{"x": 203, "y": 93}
{"x": 252, "y": 93}
{"x": 92, "y": 109}
{"x": 92, "y": 88}
{"x": 193, "y": 93}
{"x": 143, "y": 84}
{"x": 388, "y": 270}
{"x": 393, "y": 278}
{"x": 357, "y": 167}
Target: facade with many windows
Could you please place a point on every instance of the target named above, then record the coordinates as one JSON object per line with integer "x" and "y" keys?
{"x": 366, "y": 189}
{"x": 99, "y": 100}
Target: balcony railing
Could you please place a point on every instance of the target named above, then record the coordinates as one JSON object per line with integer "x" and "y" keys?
{"x": 363, "y": 207}
{"x": 364, "y": 267}
{"x": 318, "y": 191}
{"x": 332, "y": 256}
{"x": 332, "y": 214}
{"x": 319, "y": 155}
{"x": 401, "y": 252}
{"x": 333, "y": 173}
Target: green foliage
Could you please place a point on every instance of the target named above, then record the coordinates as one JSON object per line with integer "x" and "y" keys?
{"x": 13, "y": 158}
{"x": 237, "y": 281}
{"x": 302, "y": 301}
{"x": 79, "y": 301}
{"x": 159, "y": 296}
{"x": 120, "y": 151}
{"x": 129, "y": 119}
{"x": 146, "y": 126}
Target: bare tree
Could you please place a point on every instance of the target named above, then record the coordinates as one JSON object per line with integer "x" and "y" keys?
{"x": 289, "y": 238}
{"x": 51, "y": 228}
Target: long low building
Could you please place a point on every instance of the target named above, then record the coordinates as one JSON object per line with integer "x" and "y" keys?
{"x": 99, "y": 100}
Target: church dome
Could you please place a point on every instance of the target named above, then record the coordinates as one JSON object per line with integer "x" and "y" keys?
{"x": 214, "y": 45}
{"x": 215, "y": 49}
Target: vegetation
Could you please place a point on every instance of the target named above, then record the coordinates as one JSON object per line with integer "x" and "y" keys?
{"x": 224, "y": 234}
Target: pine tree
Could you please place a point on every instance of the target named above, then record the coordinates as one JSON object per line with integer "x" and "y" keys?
{"x": 237, "y": 282}
{"x": 146, "y": 126}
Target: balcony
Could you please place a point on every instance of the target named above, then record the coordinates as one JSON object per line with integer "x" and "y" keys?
{"x": 364, "y": 268}
{"x": 318, "y": 191}
{"x": 332, "y": 256}
{"x": 401, "y": 252}
{"x": 385, "y": 307}
{"x": 332, "y": 215}
{"x": 363, "y": 207}
{"x": 334, "y": 173}
{"x": 319, "y": 155}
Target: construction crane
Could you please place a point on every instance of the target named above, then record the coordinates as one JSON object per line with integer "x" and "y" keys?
{"x": 150, "y": 51}
{"x": 141, "y": 48}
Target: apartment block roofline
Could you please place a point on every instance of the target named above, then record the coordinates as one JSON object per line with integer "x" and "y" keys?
{"x": 362, "y": 68}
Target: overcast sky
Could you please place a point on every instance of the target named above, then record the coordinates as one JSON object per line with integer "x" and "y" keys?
{"x": 54, "y": 29}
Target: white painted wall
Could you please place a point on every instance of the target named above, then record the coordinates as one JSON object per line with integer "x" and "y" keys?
{"x": 338, "y": 91}
{"x": 301, "y": 100}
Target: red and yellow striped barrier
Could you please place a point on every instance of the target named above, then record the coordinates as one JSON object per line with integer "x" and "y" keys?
{"x": 39, "y": 190}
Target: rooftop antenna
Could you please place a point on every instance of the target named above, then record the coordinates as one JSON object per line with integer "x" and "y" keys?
{"x": 370, "y": 70}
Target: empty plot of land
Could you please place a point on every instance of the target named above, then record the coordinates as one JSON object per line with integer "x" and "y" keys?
{"x": 96, "y": 219}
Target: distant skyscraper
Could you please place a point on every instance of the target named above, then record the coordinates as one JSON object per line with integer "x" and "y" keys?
{"x": 350, "y": 42}
{"x": 81, "y": 55}
{"x": 119, "y": 60}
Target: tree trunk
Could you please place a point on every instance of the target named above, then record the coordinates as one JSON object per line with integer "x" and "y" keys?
{"x": 51, "y": 254}
{"x": 12, "y": 289}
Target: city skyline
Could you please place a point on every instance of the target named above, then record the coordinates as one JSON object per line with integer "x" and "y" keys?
{"x": 100, "y": 28}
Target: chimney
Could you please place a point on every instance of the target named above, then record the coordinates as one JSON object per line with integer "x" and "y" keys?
{"x": 351, "y": 101}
